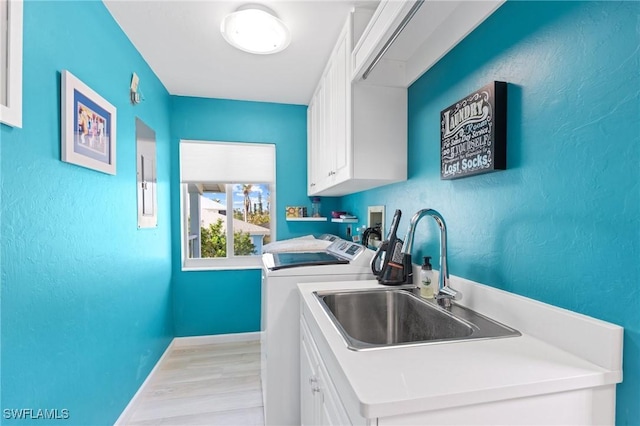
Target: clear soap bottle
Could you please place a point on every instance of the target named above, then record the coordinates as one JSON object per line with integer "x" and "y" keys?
{"x": 426, "y": 279}
{"x": 315, "y": 207}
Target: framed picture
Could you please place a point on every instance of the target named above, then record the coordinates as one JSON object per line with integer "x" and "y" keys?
{"x": 11, "y": 62}
{"x": 88, "y": 127}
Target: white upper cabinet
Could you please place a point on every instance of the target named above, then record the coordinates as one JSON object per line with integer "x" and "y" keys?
{"x": 433, "y": 30}
{"x": 357, "y": 134}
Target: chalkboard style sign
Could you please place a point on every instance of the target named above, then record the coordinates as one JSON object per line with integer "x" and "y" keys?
{"x": 473, "y": 133}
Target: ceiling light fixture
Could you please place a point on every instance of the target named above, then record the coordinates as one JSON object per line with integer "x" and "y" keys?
{"x": 255, "y": 29}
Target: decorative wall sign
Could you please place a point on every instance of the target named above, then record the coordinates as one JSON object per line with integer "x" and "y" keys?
{"x": 88, "y": 127}
{"x": 473, "y": 133}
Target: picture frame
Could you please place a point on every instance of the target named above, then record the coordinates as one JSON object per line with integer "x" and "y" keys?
{"x": 11, "y": 12}
{"x": 88, "y": 127}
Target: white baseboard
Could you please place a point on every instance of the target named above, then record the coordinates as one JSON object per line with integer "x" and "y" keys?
{"x": 122, "y": 420}
{"x": 181, "y": 342}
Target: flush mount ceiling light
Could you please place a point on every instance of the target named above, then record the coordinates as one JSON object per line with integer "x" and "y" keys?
{"x": 255, "y": 29}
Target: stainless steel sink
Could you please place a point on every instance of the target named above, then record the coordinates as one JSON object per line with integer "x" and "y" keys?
{"x": 370, "y": 319}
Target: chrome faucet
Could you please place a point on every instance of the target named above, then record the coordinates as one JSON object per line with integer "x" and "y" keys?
{"x": 445, "y": 292}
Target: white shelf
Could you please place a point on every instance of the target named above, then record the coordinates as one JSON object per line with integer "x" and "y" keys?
{"x": 307, "y": 219}
{"x": 346, "y": 220}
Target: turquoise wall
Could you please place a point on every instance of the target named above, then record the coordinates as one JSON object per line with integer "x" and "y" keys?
{"x": 86, "y": 300}
{"x": 218, "y": 302}
{"x": 562, "y": 224}
{"x": 86, "y": 306}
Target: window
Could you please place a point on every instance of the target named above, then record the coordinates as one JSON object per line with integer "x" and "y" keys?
{"x": 227, "y": 201}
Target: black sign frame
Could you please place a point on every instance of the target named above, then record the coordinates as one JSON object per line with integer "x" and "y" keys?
{"x": 473, "y": 133}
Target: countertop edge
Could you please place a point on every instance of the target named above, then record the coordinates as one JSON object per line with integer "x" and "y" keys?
{"x": 393, "y": 408}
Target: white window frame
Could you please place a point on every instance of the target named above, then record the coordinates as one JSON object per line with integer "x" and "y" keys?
{"x": 11, "y": 77}
{"x": 231, "y": 262}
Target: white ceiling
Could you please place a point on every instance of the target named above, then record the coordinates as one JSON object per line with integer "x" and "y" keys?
{"x": 181, "y": 41}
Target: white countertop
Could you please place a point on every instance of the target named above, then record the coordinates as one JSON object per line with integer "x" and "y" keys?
{"x": 402, "y": 380}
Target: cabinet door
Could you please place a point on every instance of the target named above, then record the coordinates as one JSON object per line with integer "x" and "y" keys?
{"x": 329, "y": 140}
{"x": 312, "y": 146}
{"x": 309, "y": 389}
{"x": 323, "y": 166}
{"x": 317, "y": 173}
{"x": 341, "y": 118}
{"x": 331, "y": 410}
{"x": 320, "y": 403}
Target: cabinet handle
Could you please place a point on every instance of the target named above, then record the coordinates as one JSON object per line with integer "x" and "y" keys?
{"x": 313, "y": 381}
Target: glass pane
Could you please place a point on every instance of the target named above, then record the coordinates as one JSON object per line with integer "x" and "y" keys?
{"x": 209, "y": 218}
{"x": 251, "y": 219}
{"x": 213, "y": 221}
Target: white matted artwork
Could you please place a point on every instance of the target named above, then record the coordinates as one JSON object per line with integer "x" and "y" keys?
{"x": 88, "y": 127}
{"x": 11, "y": 62}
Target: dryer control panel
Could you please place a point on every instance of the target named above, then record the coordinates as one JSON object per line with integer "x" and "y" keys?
{"x": 345, "y": 249}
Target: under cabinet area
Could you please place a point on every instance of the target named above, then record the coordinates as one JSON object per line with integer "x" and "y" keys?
{"x": 422, "y": 33}
{"x": 357, "y": 133}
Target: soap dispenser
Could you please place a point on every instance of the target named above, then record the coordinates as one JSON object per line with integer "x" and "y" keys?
{"x": 426, "y": 278}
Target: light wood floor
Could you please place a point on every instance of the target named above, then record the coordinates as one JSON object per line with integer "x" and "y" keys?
{"x": 214, "y": 384}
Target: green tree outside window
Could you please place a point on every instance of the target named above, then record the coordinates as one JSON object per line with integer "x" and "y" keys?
{"x": 214, "y": 242}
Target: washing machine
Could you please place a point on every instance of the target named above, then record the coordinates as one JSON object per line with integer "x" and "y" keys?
{"x": 280, "y": 322}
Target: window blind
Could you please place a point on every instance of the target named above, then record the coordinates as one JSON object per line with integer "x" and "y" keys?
{"x": 236, "y": 162}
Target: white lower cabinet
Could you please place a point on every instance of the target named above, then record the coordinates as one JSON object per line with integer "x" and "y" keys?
{"x": 319, "y": 400}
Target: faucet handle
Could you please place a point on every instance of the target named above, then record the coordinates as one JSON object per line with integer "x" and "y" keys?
{"x": 448, "y": 292}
